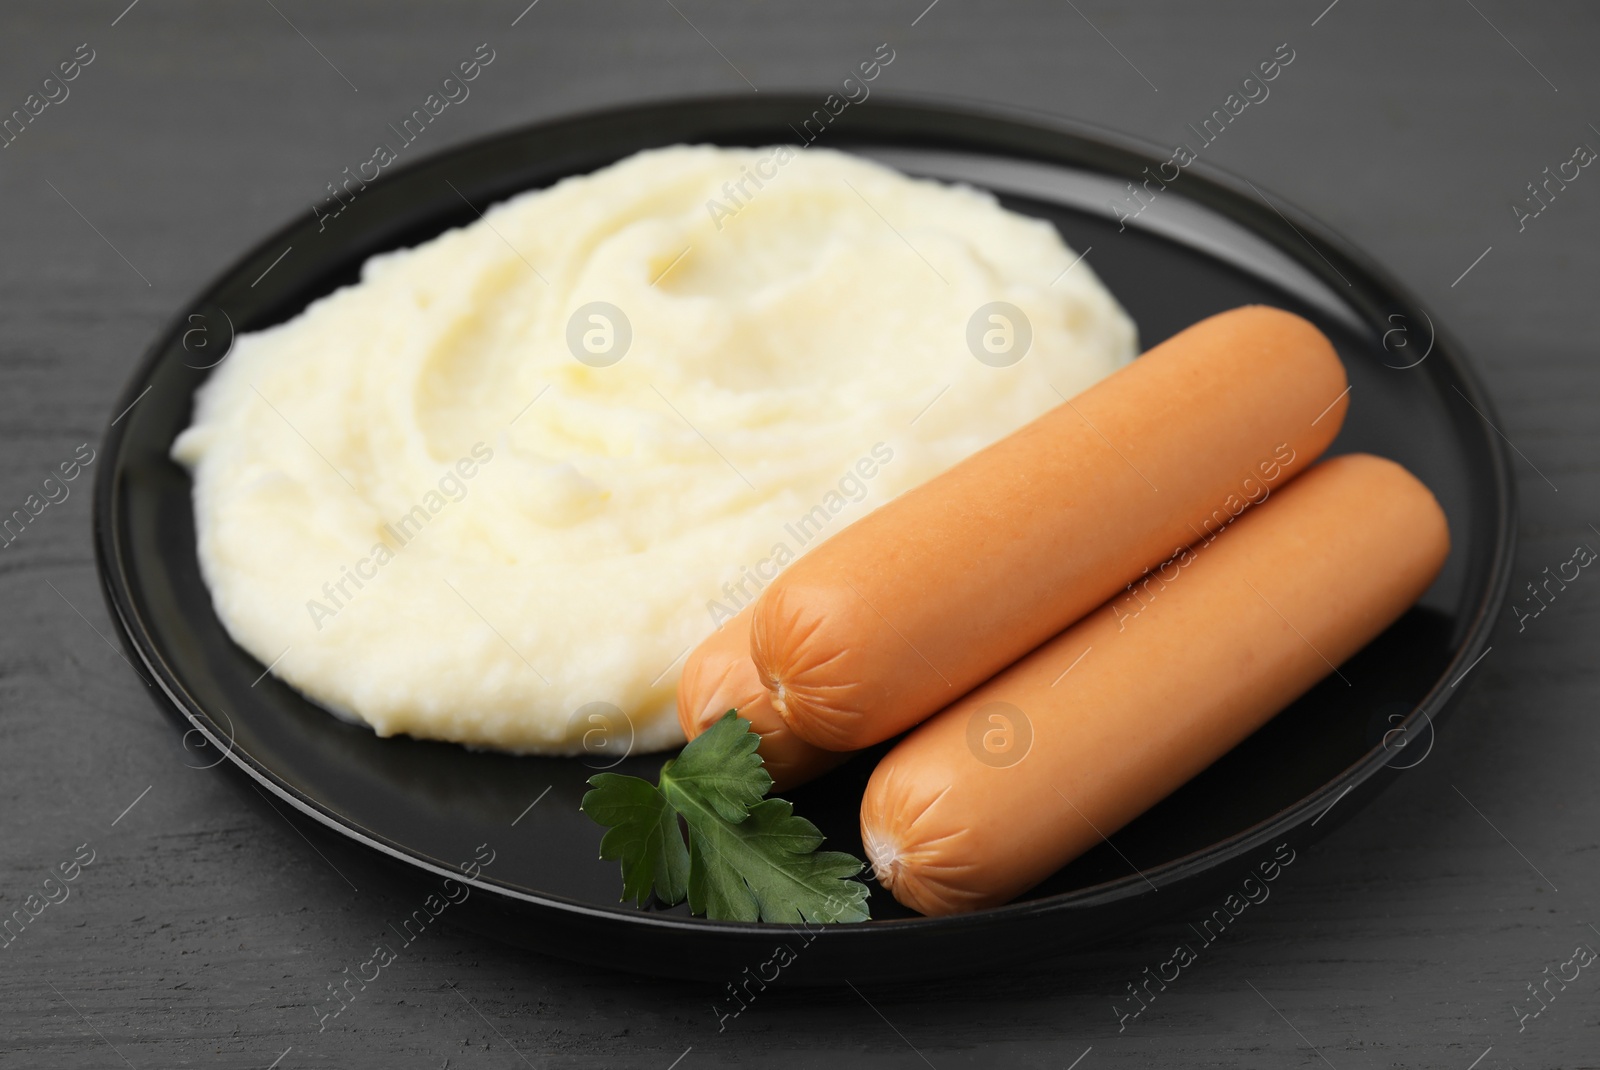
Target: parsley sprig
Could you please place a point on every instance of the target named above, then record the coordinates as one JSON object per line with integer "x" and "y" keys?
{"x": 747, "y": 857}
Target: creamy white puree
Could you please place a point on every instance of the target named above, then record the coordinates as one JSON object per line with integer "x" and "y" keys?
{"x": 574, "y": 529}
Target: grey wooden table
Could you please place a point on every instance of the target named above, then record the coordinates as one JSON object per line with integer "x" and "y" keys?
{"x": 204, "y": 930}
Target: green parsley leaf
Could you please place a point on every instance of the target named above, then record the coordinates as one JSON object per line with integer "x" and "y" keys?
{"x": 719, "y": 767}
{"x": 768, "y": 867}
{"x": 747, "y": 858}
{"x": 641, "y": 832}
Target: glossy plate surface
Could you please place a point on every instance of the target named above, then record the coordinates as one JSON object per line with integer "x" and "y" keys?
{"x": 415, "y": 811}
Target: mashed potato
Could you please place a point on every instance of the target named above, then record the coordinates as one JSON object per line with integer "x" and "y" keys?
{"x": 522, "y": 468}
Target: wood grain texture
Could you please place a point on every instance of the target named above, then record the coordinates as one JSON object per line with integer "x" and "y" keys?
{"x": 206, "y": 929}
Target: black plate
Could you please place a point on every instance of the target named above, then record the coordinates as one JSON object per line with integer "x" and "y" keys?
{"x": 1209, "y": 242}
